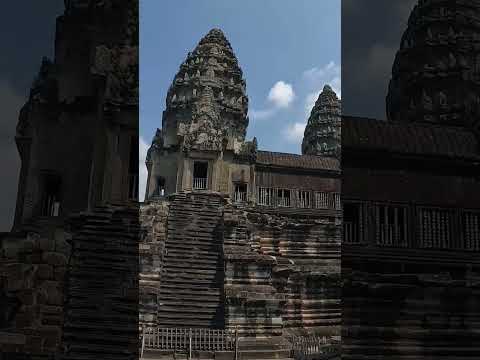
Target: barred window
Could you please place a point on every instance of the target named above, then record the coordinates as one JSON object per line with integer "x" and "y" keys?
{"x": 283, "y": 197}
{"x": 337, "y": 201}
{"x": 321, "y": 200}
{"x": 240, "y": 193}
{"x": 353, "y": 223}
{"x": 390, "y": 225}
{"x": 435, "y": 228}
{"x": 265, "y": 196}
{"x": 471, "y": 231}
{"x": 304, "y": 200}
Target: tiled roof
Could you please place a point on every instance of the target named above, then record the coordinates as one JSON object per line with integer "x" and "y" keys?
{"x": 409, "y": 138}
{"x": 269, "y": 158}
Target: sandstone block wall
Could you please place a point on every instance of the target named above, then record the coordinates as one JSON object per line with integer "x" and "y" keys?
{"x": 32, "y": 278}
{"x": 407, "y": 316}
{"x": 153, "y": 220}
{"x": 281, "y": 272}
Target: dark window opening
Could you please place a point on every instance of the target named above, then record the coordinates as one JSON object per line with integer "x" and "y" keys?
{"x": 283, "y": 197}
{"x": 391, "y": 225}
{"x": 160, "y": 187}
{"x": 133, "y": 169}
{"x": 200, "y": 174}
{"x": 352, "y": 223}
{"x": 117, "y": 144}
{"x": 51, "y": 196}
{"x": 240, "y": 193}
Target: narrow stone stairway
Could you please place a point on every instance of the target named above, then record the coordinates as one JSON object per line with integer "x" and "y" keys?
{"x": 192, "y": 276}
{"x": 101, "y": 295}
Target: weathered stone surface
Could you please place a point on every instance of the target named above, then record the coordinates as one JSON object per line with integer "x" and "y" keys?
{"x": 153, "y": 221}
{"x": 101, "y": 307}
{"x": 435, "y": 73}
{"x": 54, "y": 258}
{"x": 45, "y": 271}
{"x": 30, "y": 284}
{"x": 210, "y": 94}
{"x": 281, "y": 273}
{"x": 387, "y": 313}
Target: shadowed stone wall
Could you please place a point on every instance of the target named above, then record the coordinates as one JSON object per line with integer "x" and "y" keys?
{"x": 32, "y": 274}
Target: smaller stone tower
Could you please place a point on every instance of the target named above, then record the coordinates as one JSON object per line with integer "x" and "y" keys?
{"x": 436, "y": 70}
{"x": 323, "y": 132}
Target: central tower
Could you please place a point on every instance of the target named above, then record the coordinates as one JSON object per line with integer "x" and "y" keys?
{"x": 205, "y": 121}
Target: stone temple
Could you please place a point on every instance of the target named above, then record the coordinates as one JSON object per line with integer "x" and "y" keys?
{"x": 68, "y": 268}
{"x": 235, "y": 237}
{"x": 411, "y": 198}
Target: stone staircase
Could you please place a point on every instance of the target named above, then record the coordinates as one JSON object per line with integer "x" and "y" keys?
{"x": 101, "y": 301}
{"x": 191, "y": 290}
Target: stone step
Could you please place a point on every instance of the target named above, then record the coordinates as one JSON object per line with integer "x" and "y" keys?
{"x": 191, "y": 323}
{"x": 169, "y": 297}
{"x": 190, "y": 310}
{"x": 189, "y": 251}
{"x": 191, "y": 289}
{"x": 188, "y": 293}
{"x": 199, "y": 212}
{"x": 194, "y": 233}
{"x": 188, "y": 303}
{"x": 191, "y": 261}
{"x": 192, "y": 274}
{"x": 193, "y": 245}
{"x": 183, "y": 282}
{"x": 176, "y": 266}
{"x": 182, "y": 317}
{"x": 180, "y": 251}
{"x": 190, "y": 271}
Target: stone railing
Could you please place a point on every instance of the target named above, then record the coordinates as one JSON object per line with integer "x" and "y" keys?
{"x": 188, "y": 340}
{"x": 314, "y": 347}
{"x": 350, "y": 233}
{"x": 199, "y": 183}
{"x": 239, "y": 197}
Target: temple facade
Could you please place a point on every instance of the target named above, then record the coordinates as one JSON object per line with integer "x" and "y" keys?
{"x": 82, "y": 110}
{"x": 411, "y": 196}
{"x": 77, "y": 203}
{"x": 236, "y": 237}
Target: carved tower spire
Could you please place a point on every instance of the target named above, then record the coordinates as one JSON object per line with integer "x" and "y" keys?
{"x": 435, "y": 76}
{"x": 206, "y": 104}
{"x": 323, "y": 130}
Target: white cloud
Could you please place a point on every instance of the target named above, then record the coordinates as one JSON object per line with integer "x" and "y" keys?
{"x": 318, "y": 75}
{"x": 261, "y": 114}
{"x": 142, "y": 171}
{"x": 293, "y": 133}
{"x": 316, "y": 78}
{"x": 281, "y": 94}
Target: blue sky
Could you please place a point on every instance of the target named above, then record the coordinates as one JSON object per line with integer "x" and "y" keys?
{"x": 287, "y": 50}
